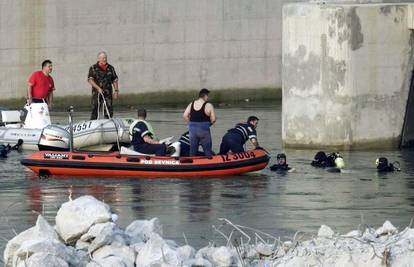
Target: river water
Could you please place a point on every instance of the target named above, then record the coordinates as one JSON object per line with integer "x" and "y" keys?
{"x": 274, "y": 203}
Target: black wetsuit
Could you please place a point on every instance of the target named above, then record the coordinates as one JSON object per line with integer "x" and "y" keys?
{"x": 280, "y": 167}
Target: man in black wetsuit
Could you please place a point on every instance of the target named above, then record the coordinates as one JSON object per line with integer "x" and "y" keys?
{"x": 236, "y": 137}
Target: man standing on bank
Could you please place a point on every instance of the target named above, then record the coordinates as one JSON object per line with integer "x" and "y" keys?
{"x": 41, "y": 86}
{"x": 102, "y": 77}
{"x": 200, "y": 115}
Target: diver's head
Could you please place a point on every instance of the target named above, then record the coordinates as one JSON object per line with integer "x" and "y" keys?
{"x": 320, "y": 156}
{"x": 381, "y": 162}
{"x": 281, "y": 159}
{"x": 253, "y": 121}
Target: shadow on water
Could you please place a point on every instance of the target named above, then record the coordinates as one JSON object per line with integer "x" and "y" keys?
{"x": 279, "y": 204}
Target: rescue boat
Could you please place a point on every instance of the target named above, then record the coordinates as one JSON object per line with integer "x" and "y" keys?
{"x": 116, "y": 164}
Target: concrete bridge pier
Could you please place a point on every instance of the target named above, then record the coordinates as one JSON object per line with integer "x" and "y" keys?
{"x": 346, "y": 74}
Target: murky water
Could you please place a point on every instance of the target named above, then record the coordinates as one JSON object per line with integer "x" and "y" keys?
{"x": 274, "y": 203}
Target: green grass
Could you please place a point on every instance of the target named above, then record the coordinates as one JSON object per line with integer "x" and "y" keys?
{"x": 225, "y": 97}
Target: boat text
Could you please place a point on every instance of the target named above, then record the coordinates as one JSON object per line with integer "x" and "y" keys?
{"x": 56, "y": 156}
{"x": 237, "y": 156}
{"x": 160, "y": 162}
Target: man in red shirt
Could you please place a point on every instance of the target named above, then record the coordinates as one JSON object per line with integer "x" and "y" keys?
{"x": 40, "y": 85}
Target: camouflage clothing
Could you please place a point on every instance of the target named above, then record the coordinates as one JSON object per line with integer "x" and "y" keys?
{"x": 103, "y": 79}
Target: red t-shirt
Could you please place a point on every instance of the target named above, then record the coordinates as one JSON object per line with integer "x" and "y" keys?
{"x": 42, "y": 85}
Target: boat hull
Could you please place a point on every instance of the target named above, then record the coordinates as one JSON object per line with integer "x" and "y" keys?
{"x": 116, "y": 165}
{"x": 96, "y": 133}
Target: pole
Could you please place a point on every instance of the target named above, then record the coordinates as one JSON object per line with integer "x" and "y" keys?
{"x": 70, "y": 111}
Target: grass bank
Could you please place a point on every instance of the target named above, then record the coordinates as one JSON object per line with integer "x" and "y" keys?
{"x": 225, "y": 97}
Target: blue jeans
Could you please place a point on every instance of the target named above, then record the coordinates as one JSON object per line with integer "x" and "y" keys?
{"x": 231, "y": 142}
{"x": 200, "y": 134}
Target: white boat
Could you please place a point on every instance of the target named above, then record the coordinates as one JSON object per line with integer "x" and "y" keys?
{"x": 37, "y": 132}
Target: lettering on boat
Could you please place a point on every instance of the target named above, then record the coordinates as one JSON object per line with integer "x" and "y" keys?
{"x": 56, "y": 156}
{"x": 161, "y": 162}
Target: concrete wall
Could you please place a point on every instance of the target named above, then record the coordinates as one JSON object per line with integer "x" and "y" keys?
{"x": 154, "y": 44}
{"x": 346, "y": 71}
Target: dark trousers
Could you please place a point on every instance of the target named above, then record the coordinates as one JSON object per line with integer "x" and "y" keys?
{"x": 99, "y": 104}
{"x": 157, "y": 149}
{"x": 231, "y": 142}
{"x": 200, "y": 134}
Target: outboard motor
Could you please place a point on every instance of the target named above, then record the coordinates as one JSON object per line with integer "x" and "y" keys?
{"x": 54, "y": 138}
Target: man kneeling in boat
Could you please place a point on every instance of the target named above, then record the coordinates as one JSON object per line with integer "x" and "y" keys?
{"x": 143, "y": 137}
{"x": 236, "y": 137}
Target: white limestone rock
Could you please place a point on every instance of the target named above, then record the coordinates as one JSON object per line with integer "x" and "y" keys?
{"x": 155, "y": 252}
{"x": 41, "y": 231}
{"x": 386, "y": 229}
{"x": 44, "y": 259}
{"x": 74, "y": 218}
{"x": 127, "y": 254}
{"x": 222, "y": 256}
{"x": 325, "y": 231}
{"x": 186, "y": 252}
{"x": 140, "y": 230}
{"x": 111, "y": 261}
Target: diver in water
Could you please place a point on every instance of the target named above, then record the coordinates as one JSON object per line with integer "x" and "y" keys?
{"x": 384, "y": 166}
{"x": 333, "y": 161}
{"x": 5, "y": 149}
{"x": 281, "y": 164}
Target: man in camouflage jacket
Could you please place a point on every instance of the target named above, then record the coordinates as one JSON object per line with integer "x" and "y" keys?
{"x": 102, "y": 77}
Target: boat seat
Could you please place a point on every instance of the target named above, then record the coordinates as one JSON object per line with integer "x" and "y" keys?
{"x": 131, "y": 152}
{"x": 10, "y": 116}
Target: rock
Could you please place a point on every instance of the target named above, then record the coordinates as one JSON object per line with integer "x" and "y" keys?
{"x": 127, "y": 254}
{"x": 199, "y": 262}
{"x": 155, "y": 252}
{"x": 53, "y": 247}
{"x": 325, "y": 231}
{"x": 264, "y": 249}
{"x": 44, "y": 259}
{"x": 111, "y": 261}
{"x": 82, "y": 245}
{"x": 95, "y": 230}
{"x": 354, "y": 233}
{"x": 114, "y": 217}
{"x": 41, "y": 231}
{"x": 386, "y": 229}
{"x": 222, "y": 257}
{"x": 74, "y": 218}
{"x": 186, "y": 252}
{"x": 140, "y": 230}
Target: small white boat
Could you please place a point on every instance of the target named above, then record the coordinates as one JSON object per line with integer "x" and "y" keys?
{"x": 37, "y": 132}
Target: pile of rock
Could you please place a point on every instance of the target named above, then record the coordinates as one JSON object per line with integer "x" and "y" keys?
{"x": 86, "y": 234}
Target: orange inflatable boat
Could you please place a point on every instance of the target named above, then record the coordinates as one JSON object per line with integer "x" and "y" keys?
{"x": 93, "y": 164}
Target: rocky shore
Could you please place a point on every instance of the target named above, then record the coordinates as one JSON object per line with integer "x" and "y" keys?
{"x": 86, "y": 234}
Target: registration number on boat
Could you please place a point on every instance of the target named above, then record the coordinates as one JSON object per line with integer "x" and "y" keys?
{"x": 80, "y": 126}
{"x": 56, "y": 156}
{"x": 236, "y": 156}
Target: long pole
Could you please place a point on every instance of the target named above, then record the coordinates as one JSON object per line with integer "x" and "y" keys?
{"x": 70, "y": 111}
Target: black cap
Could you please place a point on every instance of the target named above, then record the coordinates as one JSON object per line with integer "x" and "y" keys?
{"x": 252, "y": 118}
{"x": 203, "y": 92}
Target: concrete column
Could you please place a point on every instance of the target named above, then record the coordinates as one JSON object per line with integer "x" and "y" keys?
{"x": 346, "y": 72}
